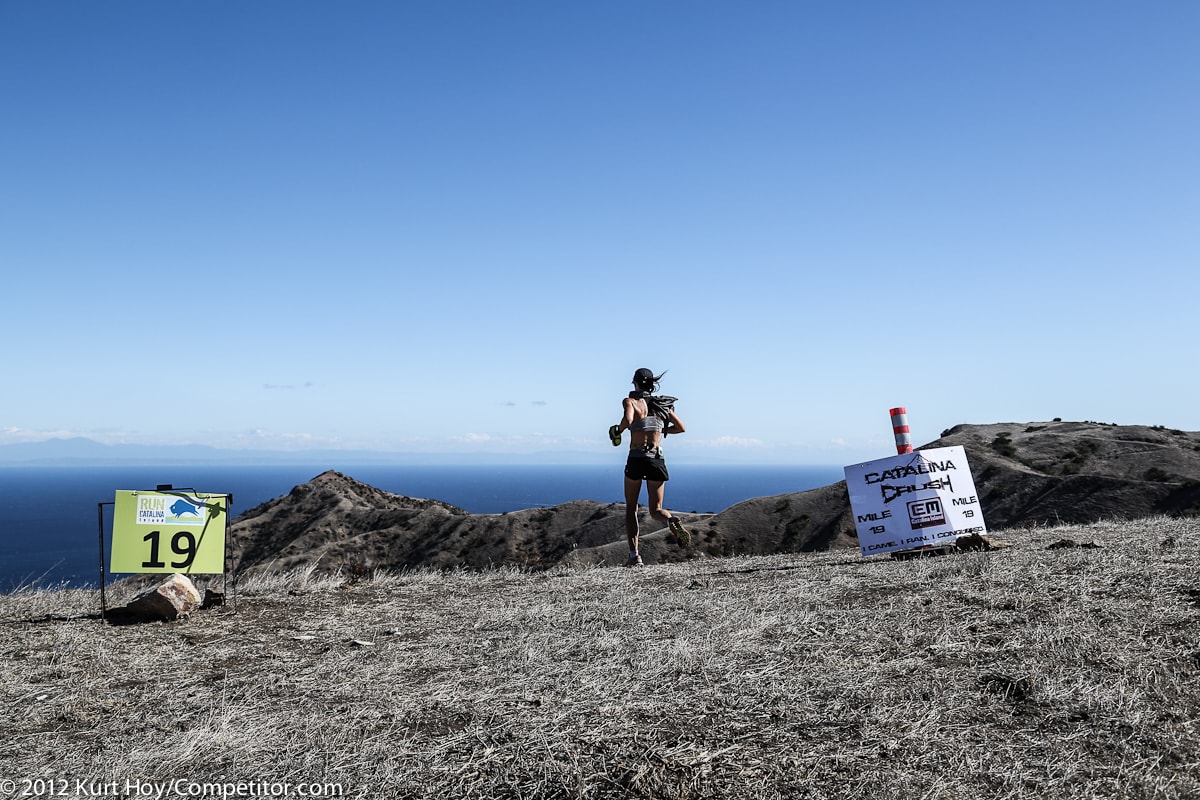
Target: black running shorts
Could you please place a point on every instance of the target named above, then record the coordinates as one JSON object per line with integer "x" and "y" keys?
{"x": 640, "y": 468}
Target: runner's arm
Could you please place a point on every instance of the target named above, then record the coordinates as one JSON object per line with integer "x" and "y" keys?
{"x": 674, "y": 425}
{"x": 627, "y": 419}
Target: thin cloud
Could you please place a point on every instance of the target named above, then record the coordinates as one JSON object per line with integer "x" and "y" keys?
{"x": 15, "y": 435}
{"x": 283, "y": 440}
{"x": 733, "y": 442}
{"x": 271, "y": 387}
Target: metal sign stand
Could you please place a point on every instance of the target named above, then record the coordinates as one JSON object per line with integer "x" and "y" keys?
{"x": 167, "y": 488}
{"x": 103, "y": 580}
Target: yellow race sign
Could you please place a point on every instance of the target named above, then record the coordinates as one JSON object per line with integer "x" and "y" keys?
{"x": 169, "y": 531}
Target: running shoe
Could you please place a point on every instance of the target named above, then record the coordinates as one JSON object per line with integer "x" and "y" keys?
{"x": 614, "y": 435}
{"x": 678, "y": 532}
{"x": 635, "y": 560}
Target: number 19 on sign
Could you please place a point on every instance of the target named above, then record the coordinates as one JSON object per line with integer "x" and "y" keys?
{"x": 186, "y": 551}
{"x": 169, "y": 532}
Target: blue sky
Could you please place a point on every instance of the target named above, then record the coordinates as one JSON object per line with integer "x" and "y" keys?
{"x": 461, "y": 226}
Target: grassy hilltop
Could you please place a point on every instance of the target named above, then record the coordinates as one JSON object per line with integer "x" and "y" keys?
{"x": 1026, "y": 672}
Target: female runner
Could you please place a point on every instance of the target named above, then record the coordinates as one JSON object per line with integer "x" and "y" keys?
{"x": 648, "y": 417}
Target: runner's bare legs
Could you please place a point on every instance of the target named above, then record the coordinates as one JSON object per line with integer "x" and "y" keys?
{"x": 655, "y": 491}
{"x": 632, "y": 490}
{"x": 654, "y": 498}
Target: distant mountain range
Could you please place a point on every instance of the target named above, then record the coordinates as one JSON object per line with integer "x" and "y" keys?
{"x": 80, "y": 451}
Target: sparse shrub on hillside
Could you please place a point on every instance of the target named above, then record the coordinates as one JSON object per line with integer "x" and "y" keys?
{"x": 795, "y": 530}
{"x": 358, "y": 569}
{"x": 1004, "y": 446}
{"x": 1075, "y": 459}
{"x": 1157, "y": 474}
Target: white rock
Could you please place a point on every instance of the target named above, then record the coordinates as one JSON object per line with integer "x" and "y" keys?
{"x": 173, "y": 598}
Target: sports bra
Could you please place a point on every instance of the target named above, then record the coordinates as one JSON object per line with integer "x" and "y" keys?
{"x": 647, "y": 424}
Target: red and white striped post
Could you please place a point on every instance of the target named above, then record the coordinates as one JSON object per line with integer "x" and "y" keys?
{"x": 900, "y": 428}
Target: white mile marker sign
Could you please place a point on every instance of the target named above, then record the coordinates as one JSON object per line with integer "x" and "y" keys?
{"x": 913, "y": 500}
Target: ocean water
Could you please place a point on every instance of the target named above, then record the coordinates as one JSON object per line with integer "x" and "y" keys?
{"x": 52, "y": 520}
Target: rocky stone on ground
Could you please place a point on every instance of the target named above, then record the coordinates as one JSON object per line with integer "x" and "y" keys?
{"x": 175, "y": 597}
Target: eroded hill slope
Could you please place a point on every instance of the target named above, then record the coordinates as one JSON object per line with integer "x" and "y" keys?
{"x": 1026, "y": 474}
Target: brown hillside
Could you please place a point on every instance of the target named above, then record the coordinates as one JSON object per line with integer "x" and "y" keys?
{"x": 335, "y": 522}
{"x": 1025, "y": 473}
{"x": 1042, "y": 473}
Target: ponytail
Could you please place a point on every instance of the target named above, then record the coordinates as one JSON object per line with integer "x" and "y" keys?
{"x": 646, "y": 381}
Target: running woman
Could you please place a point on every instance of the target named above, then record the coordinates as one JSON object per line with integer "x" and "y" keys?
{"x": 648, "y": 418}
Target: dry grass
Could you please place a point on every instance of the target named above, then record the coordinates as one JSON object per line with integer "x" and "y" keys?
{"x": 1025, "y": 672}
